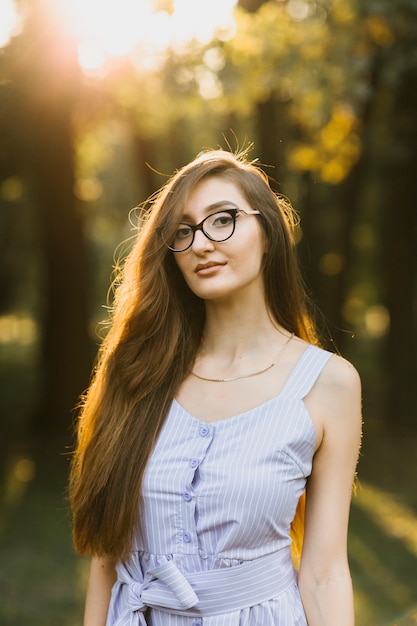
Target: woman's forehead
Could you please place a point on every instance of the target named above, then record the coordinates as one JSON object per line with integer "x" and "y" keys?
{"x": 221, "y": 205}
{"x": 211, "y": 193}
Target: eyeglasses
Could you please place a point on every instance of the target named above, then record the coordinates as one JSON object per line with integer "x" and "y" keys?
{"x": 217, "y": 227}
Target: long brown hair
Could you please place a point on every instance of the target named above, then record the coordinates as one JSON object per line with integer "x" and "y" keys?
{"x": 155, "y": 333}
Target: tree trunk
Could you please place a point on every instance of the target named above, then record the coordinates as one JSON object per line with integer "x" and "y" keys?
{"x": 144, "y": 158}
{"x": 47, "y": 79}
{"x": 401, "y": 258}
{"x": 272, "y": 136}
{"x": 66, "y": 346}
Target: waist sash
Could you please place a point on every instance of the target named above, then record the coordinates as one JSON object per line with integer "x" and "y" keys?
{"x": 212, "y": 592}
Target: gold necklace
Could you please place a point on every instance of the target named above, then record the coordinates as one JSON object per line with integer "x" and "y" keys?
{"x": 265, "y": 369}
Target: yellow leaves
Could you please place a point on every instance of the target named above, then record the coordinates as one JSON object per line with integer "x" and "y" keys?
{"x": 333, "y": 150}
{"x": 334, "y": 171}
{"x": 379, "y": 30}
{"x": 272, "y": 53}
{"x": 303, "y": 157}
{"x": 339, "y": 127}
{"x": 343, "y": 12}
{"x": 331, "y": 169}
{"x": 313, "y": 50}
{"x": 261, "y": 42}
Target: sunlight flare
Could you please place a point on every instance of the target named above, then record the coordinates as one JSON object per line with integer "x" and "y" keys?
{"x": 117, "y": 28}
{"x": 108, "y": 29}
{"x": 10, "y": 22}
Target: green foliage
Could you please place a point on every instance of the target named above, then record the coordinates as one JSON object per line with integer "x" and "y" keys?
{"x": 302, "y": 53}
{"x": 298, "y": 52}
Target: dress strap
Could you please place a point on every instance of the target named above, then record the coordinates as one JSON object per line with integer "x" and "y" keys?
{"x": 306, "y": 372}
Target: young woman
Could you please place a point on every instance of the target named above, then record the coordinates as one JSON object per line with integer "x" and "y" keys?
{"x": 212, "y": 410}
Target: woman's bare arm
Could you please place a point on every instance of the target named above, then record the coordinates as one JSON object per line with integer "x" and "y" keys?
{"x": 324, "y": 578}
{"x": 101, "y": 580}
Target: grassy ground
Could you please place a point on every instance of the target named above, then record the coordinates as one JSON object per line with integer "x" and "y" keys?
{"x": 42, "y": 582}
{"x": 383, "y": 534}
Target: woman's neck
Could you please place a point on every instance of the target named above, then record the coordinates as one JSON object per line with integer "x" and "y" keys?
{"x": 237, "y": 331}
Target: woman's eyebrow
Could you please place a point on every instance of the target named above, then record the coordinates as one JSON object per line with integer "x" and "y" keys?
{"x": 211, "y": 208}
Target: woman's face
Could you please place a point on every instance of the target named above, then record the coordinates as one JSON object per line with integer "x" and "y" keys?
{"x": 228, "y": 269}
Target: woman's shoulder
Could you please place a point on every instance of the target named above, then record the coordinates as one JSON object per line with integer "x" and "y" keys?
{"x": 335, "y": 402}
{"x": 337, "y": 370}
{"x": 341, "y": 374}
{"x": 339, "y": 383}
{"x": 339, "y": 392}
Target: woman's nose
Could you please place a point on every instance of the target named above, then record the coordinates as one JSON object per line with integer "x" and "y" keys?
{"x": 201, "y": 242}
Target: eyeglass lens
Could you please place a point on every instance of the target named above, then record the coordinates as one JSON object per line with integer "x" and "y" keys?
{"x": 217, "y": 227}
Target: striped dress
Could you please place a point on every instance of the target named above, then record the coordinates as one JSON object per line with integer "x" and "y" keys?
{"x": 218, "y": 501}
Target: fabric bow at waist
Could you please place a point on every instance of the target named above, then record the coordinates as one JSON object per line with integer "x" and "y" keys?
{"x": 212, "y": 592}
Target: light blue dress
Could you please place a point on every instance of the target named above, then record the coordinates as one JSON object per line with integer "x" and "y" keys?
{"x": 218, "y": 501}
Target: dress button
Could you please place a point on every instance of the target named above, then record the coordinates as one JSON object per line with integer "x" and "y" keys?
{"x": 194, "y": 462}
{"x": 197, "y": 622}
{"x": 187, "y": 496}
{"x": 204, "y": 431}
{"x": 186, "y": 537}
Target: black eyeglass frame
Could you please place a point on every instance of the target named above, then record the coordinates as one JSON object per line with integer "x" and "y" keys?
{"x": 232, "y": 211}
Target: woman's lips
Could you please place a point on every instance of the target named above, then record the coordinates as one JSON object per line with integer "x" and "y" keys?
{"x": 207, "y": 268}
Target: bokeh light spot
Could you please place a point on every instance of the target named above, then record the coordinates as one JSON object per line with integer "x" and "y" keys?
{"x": 11, "y": 189}
{"x": 332, "y": 263}
{"x": 377, "y": 321}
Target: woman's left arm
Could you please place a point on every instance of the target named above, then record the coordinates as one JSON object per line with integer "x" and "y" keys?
{"x": 324, "y": 578}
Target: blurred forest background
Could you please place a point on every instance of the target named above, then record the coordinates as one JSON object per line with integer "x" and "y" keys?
{"x": 99, "y": 103}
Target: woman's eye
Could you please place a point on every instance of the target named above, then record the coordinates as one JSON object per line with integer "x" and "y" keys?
{"x": 183, "y": 232}
{"x": 223, "y": 220}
